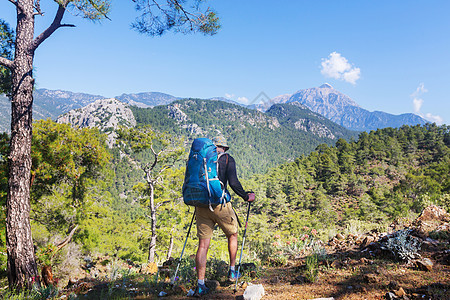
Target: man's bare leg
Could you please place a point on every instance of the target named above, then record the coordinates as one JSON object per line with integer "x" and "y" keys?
{"x": 200, "y": 258}
{"x": 232, "y": 248}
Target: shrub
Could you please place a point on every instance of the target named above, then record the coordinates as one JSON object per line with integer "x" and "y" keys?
{"x": 443, "y": 235}
{"x": 403, "y": 245}
{"x": 312, "y": 267}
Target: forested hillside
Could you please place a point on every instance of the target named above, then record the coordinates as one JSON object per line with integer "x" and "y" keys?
{"x": 384, "y": 175}
{"x": 81, "y": 186}
{"x": 258, "y": 140}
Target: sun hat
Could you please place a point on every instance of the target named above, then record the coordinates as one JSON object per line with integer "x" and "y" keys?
{"x": 221, "y": 141}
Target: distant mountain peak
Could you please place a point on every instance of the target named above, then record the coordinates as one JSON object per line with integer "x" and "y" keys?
{"x": 340, "y": 108}
{"x": 326, "y": 86}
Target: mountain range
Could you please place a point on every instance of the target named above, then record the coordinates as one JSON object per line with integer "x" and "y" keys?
{"x": 341, "y": 109}
{"x": 324, "y": 100}
{"x": 258, "y": 140}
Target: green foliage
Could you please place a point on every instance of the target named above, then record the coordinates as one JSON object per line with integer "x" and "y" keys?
{"x": 312, "y": 267}
{"x": 179, "y": 16}
{"x": 46, "y": 254}
{"x": 384, "y": 175}
{"x": 89, "y": 9}
{"x": 7, "y": 40}
{"x": 355, "y": 187}
{"x": 161, "y": 153}
{"x": 62, "y": 154}
{"x": 258, "y": 141}
{"x": 443, "y": 235}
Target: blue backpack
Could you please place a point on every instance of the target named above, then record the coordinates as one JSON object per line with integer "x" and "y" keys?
{"x": 202, "y": 186}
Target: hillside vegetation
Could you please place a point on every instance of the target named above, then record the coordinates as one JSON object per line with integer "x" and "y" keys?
{"x": 258, "y": 140}
{"x": 365, "y": 184}
{"x": 80, "y": 185}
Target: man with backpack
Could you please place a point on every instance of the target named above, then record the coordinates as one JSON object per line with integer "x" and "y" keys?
{"x": 223, "y": 215}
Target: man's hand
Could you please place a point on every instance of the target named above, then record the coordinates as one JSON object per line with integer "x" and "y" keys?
{"x": 251, "y": 197}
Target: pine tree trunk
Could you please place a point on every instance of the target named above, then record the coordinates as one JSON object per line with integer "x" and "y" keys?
{"x": 152, "y": 247}
{"x": 22, "y": 269}
{"x": 169, "y": 252}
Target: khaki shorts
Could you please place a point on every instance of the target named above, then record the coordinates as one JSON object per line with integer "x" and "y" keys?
{"x": 223, "y": 216}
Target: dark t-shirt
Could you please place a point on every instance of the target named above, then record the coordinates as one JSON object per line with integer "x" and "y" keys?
{"x": 228, "y": 175}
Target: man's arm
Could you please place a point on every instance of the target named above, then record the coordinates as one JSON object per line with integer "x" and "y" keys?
{"x": 233, "y": 180}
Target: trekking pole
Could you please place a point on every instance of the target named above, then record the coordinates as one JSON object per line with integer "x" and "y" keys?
{"x": 182, "y": 251}
{"x": 242, "y": 247}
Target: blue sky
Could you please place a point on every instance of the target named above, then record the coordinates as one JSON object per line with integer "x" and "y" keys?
{"x": 391, "y": 56}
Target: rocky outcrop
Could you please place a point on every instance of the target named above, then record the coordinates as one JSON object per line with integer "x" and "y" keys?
{"x": 299, "y": 117}
{"x": 105, "y": 114}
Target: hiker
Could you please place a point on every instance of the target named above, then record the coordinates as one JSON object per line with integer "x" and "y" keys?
{"x": 223, "y": 215}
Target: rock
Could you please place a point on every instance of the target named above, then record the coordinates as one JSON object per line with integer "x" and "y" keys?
{"x": 365, "y": 261}
{"x": 299, "y": 280}
{"x": 390, "y": 296}
{"x": 393, "y": 285}
{"x": 244, "y": 285}
{"x": 71, "y": 282}
{"x": 340, "y": 237}
{"x": 169, "y": 262}
{"x": 105, "y": 114}
{"x": 370, "y": 278}
{"x": 400, "y": 292}
{"x": 336, "y": 264}
{"x": 150, "y": 268}
{"x": 212, "y": 284}
{"x": 367, "y": 241}
{"x": 424, "y": 264}
{"x": 254, "y": 292}
{"x": 434, "y": 213}
{"x": 181, "y": 289}
{"x": 164, "y": 272}
{"x": 162, "y": 294}
{"x": 275, "y": 279}
{"x": 248, "y": 266}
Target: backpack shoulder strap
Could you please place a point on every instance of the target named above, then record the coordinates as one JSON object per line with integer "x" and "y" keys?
{"x": 220, "y": 155}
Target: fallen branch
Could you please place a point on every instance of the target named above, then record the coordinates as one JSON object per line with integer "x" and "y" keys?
{"x": 65, "y": 241}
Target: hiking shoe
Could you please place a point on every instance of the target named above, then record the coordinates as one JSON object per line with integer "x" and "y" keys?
{"x": 233, "y": 275}
{"x": 200, "y": 290}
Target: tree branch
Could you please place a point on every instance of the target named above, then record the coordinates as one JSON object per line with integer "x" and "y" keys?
{"x": 185, "y": 13}
{"x": 94, "y": 5}
{"x": 66, "y": 240}
{"x": 37, "y": 7}
{"x": 161, "y": 203}
{"x": 6, "y": 62}
{"x": 156, "y": 157}
{"x": 52, "y": 28}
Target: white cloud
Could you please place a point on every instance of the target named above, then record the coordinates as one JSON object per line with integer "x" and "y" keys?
{"x": 436, "y": 119}
{"x": 419, "y": 91}
{"x": 336, "y": 66}
{"x": 243, "y": 100}
{"x": 418, "y": 102}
